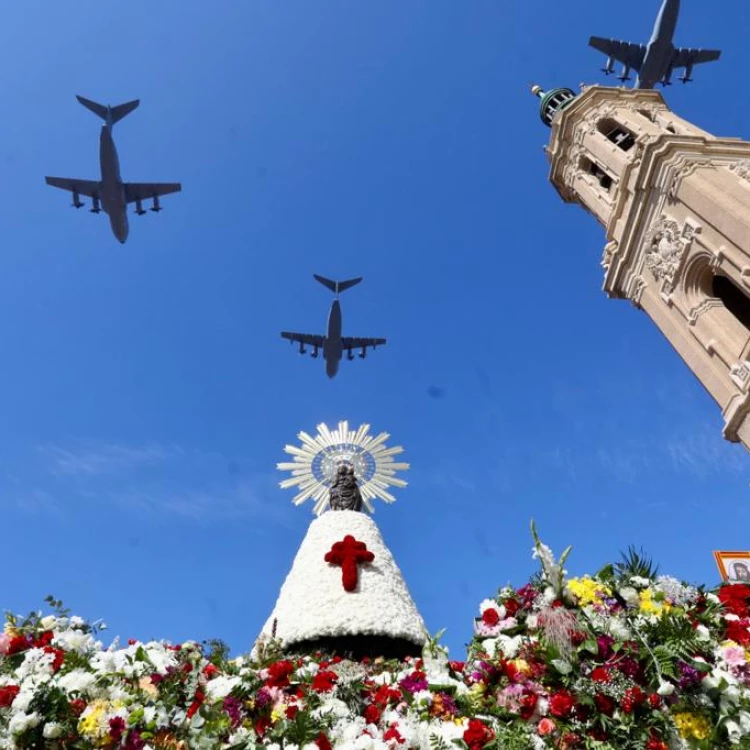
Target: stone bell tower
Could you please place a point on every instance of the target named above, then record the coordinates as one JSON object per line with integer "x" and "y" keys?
{"x": 675, "y": 204}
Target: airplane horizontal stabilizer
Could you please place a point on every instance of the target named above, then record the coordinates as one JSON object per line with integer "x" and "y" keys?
{"x": 337, "y": 286}
{"x": 109, "y": 114}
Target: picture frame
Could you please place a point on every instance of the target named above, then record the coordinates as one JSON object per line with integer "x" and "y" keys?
{"x": 734, "y": 567}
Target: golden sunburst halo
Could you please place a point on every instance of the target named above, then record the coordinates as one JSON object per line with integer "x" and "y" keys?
{"x": 317, "y": 459}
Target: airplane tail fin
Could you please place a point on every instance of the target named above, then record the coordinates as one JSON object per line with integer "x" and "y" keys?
{"x": 110, "y": 115}
{"x": 337, "y": 286}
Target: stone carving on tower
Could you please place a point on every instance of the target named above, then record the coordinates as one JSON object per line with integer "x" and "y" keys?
{"x": 675, "y": 204}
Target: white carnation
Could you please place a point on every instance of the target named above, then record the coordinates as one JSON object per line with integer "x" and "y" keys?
{"x": 52, "y": 729}
{"x": 221, "y": 686}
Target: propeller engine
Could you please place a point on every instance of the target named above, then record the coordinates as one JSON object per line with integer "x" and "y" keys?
{"x": 667, "y": 80}
{"x": 609, "y": 67}
{"x": 302, "y": 349}
{"x": 625, "y": 76}
{"x": 76, "y": 200}
{"x": 156, "y": 207}
{"x": 314, "y": 354}
{"x": 349, "y": 355}
{"x": 139, "y": 207}
{"x": 685, "y": 78}
{"x": 363, "y": 353}
{"x": 95, "y": 207}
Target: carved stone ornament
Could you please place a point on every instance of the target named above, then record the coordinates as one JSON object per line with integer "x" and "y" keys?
{"x": 741, "y": 169}
{"x": 665, "y": 246}
{"x": 610, "y": 250}
{"x": 740, "y": 374}
{"x": 683, "y": 170}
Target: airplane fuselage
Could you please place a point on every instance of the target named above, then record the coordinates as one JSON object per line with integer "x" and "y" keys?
{"x": 660, "y": 47}
{"x": 333, "y": 348}
{"x": 112, "y": 190}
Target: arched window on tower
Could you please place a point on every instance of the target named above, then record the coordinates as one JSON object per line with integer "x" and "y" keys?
{"x": 587, "y": 166}
{"x": 613, "y": 131}
{"x": 734, "y": 299}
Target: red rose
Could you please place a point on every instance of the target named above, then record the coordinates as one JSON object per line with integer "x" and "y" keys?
{"x": 323, "y": 742}
{"x": 17, "y": 644}
{"x": 654, "y": 700}
{"x": 561, "y": 703}
{"x": 600, "y": 674}
{"x": 392, "y": 734}
{"x": 291, "y": 711}
{"x": 372, "y": 714}
{"x": 734, "y": 598}
{"x": 210, "y": 670}
{"x": 57, "y": 662}
{"x": 44, "y": 639}
{"x": 511, "y": 607}
{"x": 604, "y": 704}
{"x": 527, "y": 704}
{"x": 737, "y": 631}
{"x": 324, "y": 681}
{"x": 490, "y": 617}
{"x": 78, "y": 706}
{"x": 477, "y": 735}
{"x": 278, "y": 674}
{"x": 8, "y": 695}
{"x": 633, "y": 698}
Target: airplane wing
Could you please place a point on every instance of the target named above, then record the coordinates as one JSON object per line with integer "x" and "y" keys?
{"x": 626, "y": 53}
{"x": 135, "y": 191}
{"x": 89, "y": 188}
{"x": 304, "y": 338}
{"x": 684, "y": 57}
{"x": 350, "y": 342}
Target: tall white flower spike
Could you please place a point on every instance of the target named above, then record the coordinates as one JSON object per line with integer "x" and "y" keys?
{"x": 317, "y": 459}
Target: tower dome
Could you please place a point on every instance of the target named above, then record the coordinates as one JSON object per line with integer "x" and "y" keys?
{"x": 552, "y": 102}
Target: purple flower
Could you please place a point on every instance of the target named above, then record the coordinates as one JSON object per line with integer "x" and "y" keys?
{"x": 133, "y": 741}
{"x": 690, "y": 675}
{"x": 415, "y": 682}
{"x": 262, "y": 698}
{"x": 232, "y": 708}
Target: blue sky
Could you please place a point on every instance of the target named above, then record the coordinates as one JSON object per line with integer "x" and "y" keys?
{"x": 146, "y": 395}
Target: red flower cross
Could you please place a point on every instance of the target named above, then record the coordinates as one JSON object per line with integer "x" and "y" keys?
{"x": 349, "y": 553}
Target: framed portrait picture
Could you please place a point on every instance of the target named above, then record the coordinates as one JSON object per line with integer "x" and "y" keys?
{"x": 733, "y": 566}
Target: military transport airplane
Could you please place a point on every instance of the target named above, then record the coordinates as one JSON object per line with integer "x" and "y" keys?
{"x": 655, "y": 61}
{"x": 333, "y": 343}
{"x": 111, "y": 194}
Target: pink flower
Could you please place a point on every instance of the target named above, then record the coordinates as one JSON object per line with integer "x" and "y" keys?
{"x": 546, "y": 726}
{"x": 734, "y": 655}
{"x": 4, "y": 643}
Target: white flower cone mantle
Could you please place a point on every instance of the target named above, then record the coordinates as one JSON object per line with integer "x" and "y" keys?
{"x": 315, "y": 608}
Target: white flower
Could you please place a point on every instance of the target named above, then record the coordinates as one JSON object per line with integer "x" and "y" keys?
{"x": 20, "y": 722}
{"x": 665, "y": 688}
{"x": 489, "y": 645}
{"x": 52, "y": 729}
{"x": 332, "y": 707}
{"x": 48, "y": 622}
{"x": 630, "y": 595}
{"x": 640, "y": 581}
{"x": 509, "y": 646}
{"x": 76, "y": 681}
{"x": 221, "y": 686}
{"x": 423, "y": 698}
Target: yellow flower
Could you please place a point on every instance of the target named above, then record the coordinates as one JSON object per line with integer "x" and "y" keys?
{"x": 588, "y": 591}
{"x": 649, "y": 606}
{"x": 692, "y": 725}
